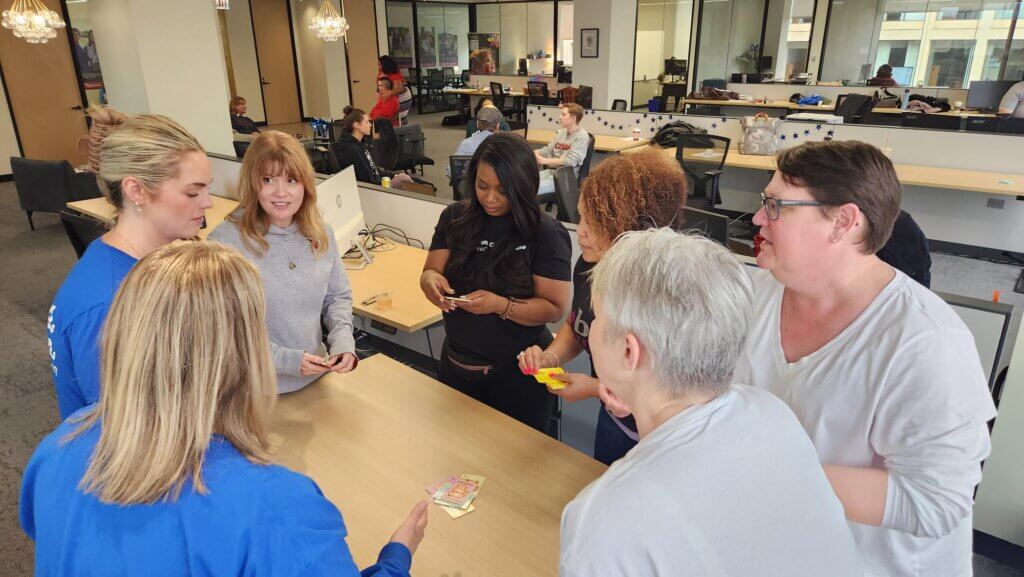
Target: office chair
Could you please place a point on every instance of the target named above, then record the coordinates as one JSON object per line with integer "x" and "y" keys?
{"x": 718, "y": 83}
{"x": 933, "y": 121}
{"x": 385, "y": 147}
{"x": 852, "y": 107}
{"x": 464, "y": 78}
{"x": 567, "y": 195}
{"x": 42, "y": 185}
{"x": 81, "y": 230}
{"x": 498, "y": 97}
{"x": 702, "y": 157}
{"x": 411, "y": 145}
{"x": 619, "y": 104}
{"x": 585, "y": 167}
{"x": 567, "y": 95}
{"x": 240, "y": 147}
{"x": 457, "y": 166}
{"x": 907, "y": 250}
{"x": 677, "y": 92}
{"x": 585, "y": 98}
{"x": 538, "y": 92}
{"x": 448, "y": 73}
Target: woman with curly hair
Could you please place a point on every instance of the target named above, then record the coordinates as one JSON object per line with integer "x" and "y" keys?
{"x": 624, "y": 193}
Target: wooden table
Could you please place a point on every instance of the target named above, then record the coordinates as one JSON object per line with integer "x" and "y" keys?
{"x": 909, "y": 174}
{"x": 602, "y": 142}
{"x": 396, "y": 271}
{"x": 374, "y": 439}
{"x": 102, "y": 210}
{"x": 775, "y": 104}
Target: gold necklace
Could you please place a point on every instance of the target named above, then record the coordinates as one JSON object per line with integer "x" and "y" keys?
{"x": 138, "y": 253}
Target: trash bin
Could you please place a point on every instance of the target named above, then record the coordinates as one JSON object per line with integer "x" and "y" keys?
{"x": 654, "y": 104}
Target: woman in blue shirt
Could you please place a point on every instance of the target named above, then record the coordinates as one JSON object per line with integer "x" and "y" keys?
{"x": 168, "y": 473}
{"x": 158, "y": 177}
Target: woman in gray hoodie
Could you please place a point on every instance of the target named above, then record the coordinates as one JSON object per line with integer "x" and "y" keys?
{"x": 278, "y": 227}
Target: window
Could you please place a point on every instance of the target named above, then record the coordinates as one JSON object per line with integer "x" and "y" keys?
{"x": 526, "y": 31}
{"x": 662, "y": 33}
{"x": 945, "y": 43}
{"x": 84, "y": 40}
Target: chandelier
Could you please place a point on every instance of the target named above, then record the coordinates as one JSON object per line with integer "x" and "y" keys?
{"x": 33, "y": 21}
{"x": 328, "y": 24}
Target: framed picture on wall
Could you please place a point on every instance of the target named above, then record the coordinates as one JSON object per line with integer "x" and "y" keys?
{"x": 589, "y": 43}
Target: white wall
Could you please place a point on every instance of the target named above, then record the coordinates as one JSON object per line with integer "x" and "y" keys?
{"x": 565, "y": 15}
{"x": 150, "y": 65}
{"x": 242, "y": 44}
{"x": 609, "y": 73}
{"x": 309, "y": 53}
{"x": 8, "y": 140}
{"x": 540, "y": 27}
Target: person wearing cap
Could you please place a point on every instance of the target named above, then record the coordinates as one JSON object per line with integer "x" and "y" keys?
{"x": 488, "y": 122}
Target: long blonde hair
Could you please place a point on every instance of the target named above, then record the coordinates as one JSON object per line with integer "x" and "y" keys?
{"x": 184, "y": 356}
{"x": 148, "y": 147}
{"x": 274, "y": 152}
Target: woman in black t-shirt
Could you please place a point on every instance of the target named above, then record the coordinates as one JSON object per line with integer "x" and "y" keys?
{"x": 507, "y": 265}
{"x": 625, "y": 192}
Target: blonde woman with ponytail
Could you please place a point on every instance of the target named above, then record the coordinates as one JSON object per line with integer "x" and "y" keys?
{"x": 278, "y": 227}
{"x": 158, "y": 177}
{"x": 168, "y": 473}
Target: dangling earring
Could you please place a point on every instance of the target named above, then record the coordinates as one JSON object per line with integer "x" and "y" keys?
{"x": 138, "y": 209}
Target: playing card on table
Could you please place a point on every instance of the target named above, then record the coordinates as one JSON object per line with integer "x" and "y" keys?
{"x": 456, "y": 513}
{"x": 431, "y": 489}
{"x": 544, "y": 377}
{"x": 457, "y": 494}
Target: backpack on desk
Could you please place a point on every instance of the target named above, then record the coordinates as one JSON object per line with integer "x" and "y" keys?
{"x": 759, "y": 134}
{"x": 668, "y": 134}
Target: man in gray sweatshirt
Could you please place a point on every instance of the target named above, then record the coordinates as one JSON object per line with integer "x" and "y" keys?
{"x": 569, "y": 148}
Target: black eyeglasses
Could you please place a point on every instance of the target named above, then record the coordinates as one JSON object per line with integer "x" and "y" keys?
{"x": 773, "y": 206}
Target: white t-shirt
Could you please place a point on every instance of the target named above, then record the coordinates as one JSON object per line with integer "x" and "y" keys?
{"x": 901, "y": 388}
{"x": 728, "y": 488}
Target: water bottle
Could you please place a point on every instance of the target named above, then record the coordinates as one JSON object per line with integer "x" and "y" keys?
{"x": 906, "y": 99}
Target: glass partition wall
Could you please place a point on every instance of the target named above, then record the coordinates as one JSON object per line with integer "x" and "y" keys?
{"x": 662, "y": 33}
{"x": 941, "y": 43}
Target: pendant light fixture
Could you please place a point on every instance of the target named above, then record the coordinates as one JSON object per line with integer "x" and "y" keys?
{"x": 328, "y": 24}
{"x": 33, "y": 21}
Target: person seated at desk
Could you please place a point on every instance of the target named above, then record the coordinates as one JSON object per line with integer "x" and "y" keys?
{"x": 488, "y": 120}
{"x": 883, "y": 375}
{"x": 883, "y": 77}
{"x": 169, "y": 473}
{"x": 628, "y": 192}
{"x": 471, "y": 126}
{"x": 352, "y": 149}
{"x": 1012, "y": 103}
{"x": 387, "y": 103}
{"x": 241, "y": 123}
{"x": 158, "y": 177}
{"x": 724, "y": 480}
{"x": 507, "y": 265}
{"x": 568, "y": 148}
{"x": 278, "y": 227}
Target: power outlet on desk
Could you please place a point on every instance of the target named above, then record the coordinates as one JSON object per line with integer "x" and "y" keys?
{"x": 388, "y": 329}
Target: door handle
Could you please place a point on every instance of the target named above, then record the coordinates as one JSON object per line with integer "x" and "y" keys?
{"x": 264, "y": 82}
{"x": 76, "y": 108}
{"x": 355, "y": 82}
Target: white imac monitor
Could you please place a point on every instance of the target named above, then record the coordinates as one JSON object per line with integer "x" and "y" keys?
{"x": 338, "y": 200}
{"x": 225, "y": 177}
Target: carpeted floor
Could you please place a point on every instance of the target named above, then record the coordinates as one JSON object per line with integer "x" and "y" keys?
{"x": 33, "y": 264}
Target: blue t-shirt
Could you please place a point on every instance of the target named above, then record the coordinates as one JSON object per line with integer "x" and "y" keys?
{"x": 75, "y": 320}
{"x": 254, "y": 520}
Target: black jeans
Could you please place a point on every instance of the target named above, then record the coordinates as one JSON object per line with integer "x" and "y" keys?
{"x": 501, "y": 386}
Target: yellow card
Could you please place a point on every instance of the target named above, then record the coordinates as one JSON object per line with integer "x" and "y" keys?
{"x": 456, "y": 513}
{"x": 544, "y": 377}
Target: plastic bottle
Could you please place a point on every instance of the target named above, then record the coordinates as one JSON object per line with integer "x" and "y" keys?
{"x": 906, "y": 99}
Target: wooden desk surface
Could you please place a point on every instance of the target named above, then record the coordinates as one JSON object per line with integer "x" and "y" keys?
{"x": 602, "y": 142}
{"x": 781, "y": 104}
{"x": 373, "y": 440}
{"x": 909, "y": 174}
{"x": 102, "y": 210}
{"x": 396, "y": 271}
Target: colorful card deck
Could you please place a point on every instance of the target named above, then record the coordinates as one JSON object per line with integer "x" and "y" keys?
{"x": 544, "y": 377}
{"x": 456, "y": 494}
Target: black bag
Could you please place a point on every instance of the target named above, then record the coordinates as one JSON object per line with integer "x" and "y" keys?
{"x": 667, "y": 135}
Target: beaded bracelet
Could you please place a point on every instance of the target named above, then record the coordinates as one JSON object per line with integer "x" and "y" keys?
{"x": 510, "y": 309}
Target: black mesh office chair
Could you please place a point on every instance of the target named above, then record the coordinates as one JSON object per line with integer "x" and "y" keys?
{"x": 464, "y": 78}
{"x": 411, "y": 147}
{"x": 853, "y": 107}
{"x": 457, "y": 166}
{"x": 677, "y": 94}
{"x": 585, "y": 167}
{"x": 619, "y": 104}
{"x": 81, "y": 230}
{"x": 718, "y": 83}
{"x": 42, "y": 185}
{"x": 585, "y": 98}
{"x": 385, "y": 146}
{"x": 567, "y": 195}
{"x": 498, "y": 98}
{"x": 538, "y": 92}
{"x": 702, "y": 157}
{"x": 448, "y": 73}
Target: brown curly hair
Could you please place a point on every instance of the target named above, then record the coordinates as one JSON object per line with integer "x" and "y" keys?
{"x": 633, "y": 192}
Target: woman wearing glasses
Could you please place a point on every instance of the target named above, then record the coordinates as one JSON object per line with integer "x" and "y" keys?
{"x": 880, "y": 371}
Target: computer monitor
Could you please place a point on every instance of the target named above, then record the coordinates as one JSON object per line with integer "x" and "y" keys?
{"x": 338, "y": 201}
{"x": 986, "y": 94}
{"x": 903, "y": 75}
{"x": 710, "y": 224}
{"x": 765, "y": 64}
{"x": 225, "y": 177}
{"x": 675, "y": 67}
{"x": 522, "y": 67}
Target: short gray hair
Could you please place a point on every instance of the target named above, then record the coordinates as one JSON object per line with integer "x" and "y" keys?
{"x": 687, "y": 300}
{"x": 488, "y": 119}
